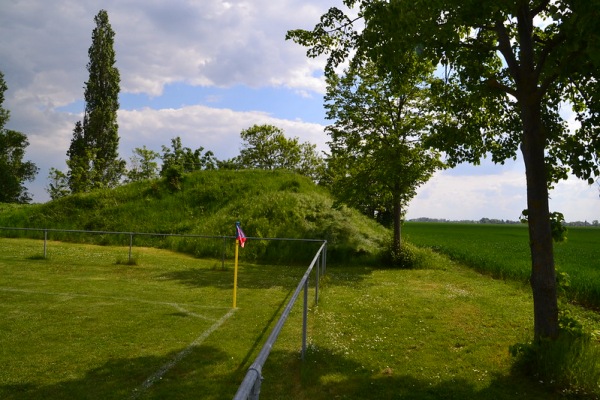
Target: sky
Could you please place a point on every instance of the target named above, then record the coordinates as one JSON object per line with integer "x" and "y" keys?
{"x": 204, "y": 71}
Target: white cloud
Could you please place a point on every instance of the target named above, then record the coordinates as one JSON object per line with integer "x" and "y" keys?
{"x": 577, "y": 200}
{"x": 499, "y": 193}
{"x": 202, "y": 43}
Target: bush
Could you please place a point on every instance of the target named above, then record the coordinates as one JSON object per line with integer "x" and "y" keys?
{"x": 409, "y": 256}
{"x": 569, "y": 364}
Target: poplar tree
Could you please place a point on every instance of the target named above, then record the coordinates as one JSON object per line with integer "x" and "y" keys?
{"x": 93, "y": 155}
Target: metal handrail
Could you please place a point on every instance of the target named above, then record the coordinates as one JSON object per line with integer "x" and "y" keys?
{"x": 250, "y": 386}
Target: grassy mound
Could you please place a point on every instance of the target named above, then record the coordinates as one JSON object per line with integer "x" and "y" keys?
{"x": 268, "y": 205}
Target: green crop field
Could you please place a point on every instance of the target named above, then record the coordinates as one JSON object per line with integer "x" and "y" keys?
{"x": 503, "y": 251}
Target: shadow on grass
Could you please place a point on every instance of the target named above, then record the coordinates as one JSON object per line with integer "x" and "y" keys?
{"x": 266, "y": 276}
{"x": 326, "y": 375}
{"x": 196, "y": 376}
{"x": 260, "y": 339}
{"x": 210, "y": 373}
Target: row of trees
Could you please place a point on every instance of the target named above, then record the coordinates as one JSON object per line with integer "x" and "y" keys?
{"x": 263, "y": 147}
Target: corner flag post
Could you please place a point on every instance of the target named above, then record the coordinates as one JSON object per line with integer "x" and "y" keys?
{"x": 240, "y": 240}
{"x": 235, "y": 272}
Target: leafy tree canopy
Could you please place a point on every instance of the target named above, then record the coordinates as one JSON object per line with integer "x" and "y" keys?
{"x": 185, "y": 159}
{"x": 267, "y": 147}
{"x": 143, "y": 165}
{"x": 509, "y": 68}
{"x": 13, "y": 170}
{"x": 377, "y": 160}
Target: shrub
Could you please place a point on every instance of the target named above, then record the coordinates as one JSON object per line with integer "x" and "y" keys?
{"x": 569, "y": 364}
{"x": 409, "y": 257}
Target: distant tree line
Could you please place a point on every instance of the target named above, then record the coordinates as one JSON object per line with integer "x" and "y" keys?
{"x": 594, "y": 223}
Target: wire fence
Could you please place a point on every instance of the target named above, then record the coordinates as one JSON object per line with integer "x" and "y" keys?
{"x": 131, "y": 235}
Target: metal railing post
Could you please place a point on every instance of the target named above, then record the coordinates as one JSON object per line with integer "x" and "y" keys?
{"x": 255, "y": 392}
{"x": 304, "y": 319}
{"x": 317, "y": 280}
{"x": 324, "y": 255}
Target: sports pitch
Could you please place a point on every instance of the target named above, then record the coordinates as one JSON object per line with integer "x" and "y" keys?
{"x": 81, "y": 324}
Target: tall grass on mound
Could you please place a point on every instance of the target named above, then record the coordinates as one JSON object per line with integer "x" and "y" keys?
{"x": 269, "y": 204}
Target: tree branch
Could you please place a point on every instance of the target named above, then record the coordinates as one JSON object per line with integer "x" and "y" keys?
{"x": 493, "y": 83}
{"x": 548, "y": 47}
{"x": 541, "y": 7}
{"x": 505, "y": 48}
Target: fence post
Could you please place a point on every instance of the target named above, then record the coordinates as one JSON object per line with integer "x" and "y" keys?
{"x": 130, "y": 245}
{"x": 223, "y": 253}
{"x": 45, "y": 240}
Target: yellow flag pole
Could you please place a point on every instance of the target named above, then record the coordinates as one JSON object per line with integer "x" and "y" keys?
{"x": 235, "y": 273}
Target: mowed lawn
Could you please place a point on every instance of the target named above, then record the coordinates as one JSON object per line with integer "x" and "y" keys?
{"x": 81, "y": 326}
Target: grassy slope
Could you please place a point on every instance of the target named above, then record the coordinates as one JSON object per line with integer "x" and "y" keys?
{"x": 268, "y": 204}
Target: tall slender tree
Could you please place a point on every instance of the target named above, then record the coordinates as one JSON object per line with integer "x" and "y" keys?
{"x": 93, "y": 155}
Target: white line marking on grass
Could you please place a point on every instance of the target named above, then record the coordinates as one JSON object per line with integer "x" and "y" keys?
{"x": 177, "y": 306}
{"x": 179, "y": 356}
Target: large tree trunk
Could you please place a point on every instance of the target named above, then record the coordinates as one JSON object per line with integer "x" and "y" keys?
{"x": 543, "y": 275}
{"x": 397, "y": 244}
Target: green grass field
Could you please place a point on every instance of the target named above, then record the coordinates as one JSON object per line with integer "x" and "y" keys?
{"x": 79, "y": 325}
{"x": 503, "y": 251}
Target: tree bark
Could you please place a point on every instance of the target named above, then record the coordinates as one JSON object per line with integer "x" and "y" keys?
{"x": 397, "y": 244}
{"x": 543, "y": 275}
